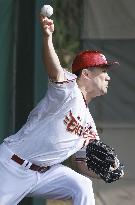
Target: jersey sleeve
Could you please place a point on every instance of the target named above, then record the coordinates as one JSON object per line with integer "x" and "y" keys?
{"x": 57, "y": 94}
{"x": 68, "y": 76}
{"x": 81, "y": 155}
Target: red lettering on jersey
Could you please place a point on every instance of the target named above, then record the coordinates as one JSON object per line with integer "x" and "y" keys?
{"x": 74, "y": 126}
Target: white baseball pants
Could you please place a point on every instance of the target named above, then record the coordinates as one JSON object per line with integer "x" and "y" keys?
{"x": 59, "y": 182}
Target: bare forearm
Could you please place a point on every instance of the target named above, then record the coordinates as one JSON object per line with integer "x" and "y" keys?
{"x": 51, "y": 60}
{"x": 83, "y": 169}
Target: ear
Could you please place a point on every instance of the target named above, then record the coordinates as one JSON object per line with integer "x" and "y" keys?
{"x": 86, "y": 73}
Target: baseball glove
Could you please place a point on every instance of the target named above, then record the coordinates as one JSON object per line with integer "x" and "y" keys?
{"x": 103, "y": 160}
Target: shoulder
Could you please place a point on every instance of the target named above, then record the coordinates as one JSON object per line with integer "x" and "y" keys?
{"x": 68, "y": 83}
{"x": 68, "y": 77}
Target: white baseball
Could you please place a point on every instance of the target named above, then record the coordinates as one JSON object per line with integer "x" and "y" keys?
{"x": 46, "y": 11}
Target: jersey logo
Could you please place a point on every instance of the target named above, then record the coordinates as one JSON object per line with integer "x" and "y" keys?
{"x": 74, "y": 126}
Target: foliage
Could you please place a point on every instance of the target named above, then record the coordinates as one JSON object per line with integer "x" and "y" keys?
{"x": 67, "y": 19}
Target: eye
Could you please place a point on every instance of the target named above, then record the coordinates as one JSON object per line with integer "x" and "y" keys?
{"x": 104, "y": 71}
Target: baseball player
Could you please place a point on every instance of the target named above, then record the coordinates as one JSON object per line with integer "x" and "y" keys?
{"x": 58, "y": 127}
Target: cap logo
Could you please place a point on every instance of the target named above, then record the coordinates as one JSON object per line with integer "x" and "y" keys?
{"x": 103, "y": 57}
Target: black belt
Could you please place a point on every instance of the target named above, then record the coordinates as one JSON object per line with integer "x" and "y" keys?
{"x": 33, "y": 167}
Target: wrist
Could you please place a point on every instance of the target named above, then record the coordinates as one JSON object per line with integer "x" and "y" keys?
{"x": 47, "y": 38}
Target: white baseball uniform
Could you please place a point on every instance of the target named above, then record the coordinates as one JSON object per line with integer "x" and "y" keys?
{"x": 59, "y": 126}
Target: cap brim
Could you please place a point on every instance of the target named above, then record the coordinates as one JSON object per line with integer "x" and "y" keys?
{"x": 107, "y": 65}
{"x": 112, "y": 64}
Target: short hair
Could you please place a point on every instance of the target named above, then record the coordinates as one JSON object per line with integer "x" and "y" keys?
{"x": 79, "y": 73}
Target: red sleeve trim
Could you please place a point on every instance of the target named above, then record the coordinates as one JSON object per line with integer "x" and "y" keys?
{"x": 65, "y": 81}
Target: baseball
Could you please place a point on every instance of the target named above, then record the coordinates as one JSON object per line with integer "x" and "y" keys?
{"x": 46, "y": 11}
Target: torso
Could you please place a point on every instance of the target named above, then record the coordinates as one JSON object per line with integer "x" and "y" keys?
{"x": 58, "y": 127}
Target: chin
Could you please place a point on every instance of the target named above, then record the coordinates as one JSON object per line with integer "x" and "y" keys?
{"x": 103, "y": 92}
{"x": 100, "y": 93}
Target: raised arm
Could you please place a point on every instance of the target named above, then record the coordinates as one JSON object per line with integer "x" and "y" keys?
{"x": 50, "y": 58}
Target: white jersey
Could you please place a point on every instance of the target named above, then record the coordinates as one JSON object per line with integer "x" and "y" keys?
{"x": 57, "y": 127}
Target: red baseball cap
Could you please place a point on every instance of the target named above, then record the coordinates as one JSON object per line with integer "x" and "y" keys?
{"x": 89, "y": 59}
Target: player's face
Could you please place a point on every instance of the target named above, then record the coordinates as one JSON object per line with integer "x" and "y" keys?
{"x": 100, "y": 79}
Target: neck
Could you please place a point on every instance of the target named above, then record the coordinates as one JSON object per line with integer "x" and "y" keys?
{"x": 87, "y": 96}
{"x": 87, "y": 90}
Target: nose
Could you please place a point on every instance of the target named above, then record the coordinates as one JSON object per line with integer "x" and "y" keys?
{"x": 108, "y": 77}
